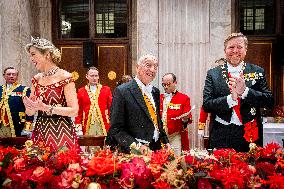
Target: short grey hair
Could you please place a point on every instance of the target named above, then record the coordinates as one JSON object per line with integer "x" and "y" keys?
{"x": 147, "y": 57}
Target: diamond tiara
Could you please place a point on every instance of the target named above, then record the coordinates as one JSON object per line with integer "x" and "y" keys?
{"x": 41, "y": 43}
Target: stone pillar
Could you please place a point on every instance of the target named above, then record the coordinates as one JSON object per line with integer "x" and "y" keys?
{"x": 220, "y": 28}
{"x": 187, "y": 36}
{"x": 15, "y": 31}
{"x": 18, "y": 21}
{"x": 146, "y": 33}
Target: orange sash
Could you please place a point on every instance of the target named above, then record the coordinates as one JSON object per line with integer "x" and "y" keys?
{"x": 151, "y": 110}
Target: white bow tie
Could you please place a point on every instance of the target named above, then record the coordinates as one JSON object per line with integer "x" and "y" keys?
{"x": 234, "y": 70}
{"x": 168, "y": 94}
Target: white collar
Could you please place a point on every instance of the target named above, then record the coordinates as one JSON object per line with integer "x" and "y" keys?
{"x": 145, "y": 88}
{"x": 168, "y": 95}
{"x": 93, "y": 88}
{"x": 8, "y": 85}
{"x": 236, "y": 69}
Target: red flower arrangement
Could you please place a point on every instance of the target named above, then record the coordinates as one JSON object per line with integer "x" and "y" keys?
{"x": 135, "y": 173}
{"x": 276, "y": 181}
{"x": 35, "y": 167}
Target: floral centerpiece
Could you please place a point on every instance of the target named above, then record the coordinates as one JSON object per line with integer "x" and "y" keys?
{"x": 278, "y": 113}
{"x": 37, "y": 167}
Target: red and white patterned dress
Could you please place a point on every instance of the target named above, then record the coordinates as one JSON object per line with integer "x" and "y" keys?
{"x": 54, "y": 131}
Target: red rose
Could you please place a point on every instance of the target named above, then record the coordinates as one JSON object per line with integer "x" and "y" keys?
{"x": 102, "y": 166}
{"x": 38, "y": 172}
{"x": 42, "y": 175}
{"x": 19, "y": 164}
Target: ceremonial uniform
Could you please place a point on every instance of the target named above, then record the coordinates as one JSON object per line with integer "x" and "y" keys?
{"x": 12, "y": 110}
{"x": 177, "y": 105}
{"x": 94, "y": 109}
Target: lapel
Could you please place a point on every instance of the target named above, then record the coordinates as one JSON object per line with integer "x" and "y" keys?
{"x": 137, "y": 94}
{"x": 156, "y": 96}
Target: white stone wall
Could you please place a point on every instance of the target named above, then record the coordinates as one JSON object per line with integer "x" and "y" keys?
{"x": 187, "y": 36}
{"x": 19, "y": 19}
{"x": 15, "y": 30}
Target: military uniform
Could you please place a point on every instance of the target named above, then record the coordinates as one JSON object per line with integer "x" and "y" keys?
{"x": 12, "y": 110}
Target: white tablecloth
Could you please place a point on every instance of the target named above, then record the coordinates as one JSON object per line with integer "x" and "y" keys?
{"x": 273, "y": 132}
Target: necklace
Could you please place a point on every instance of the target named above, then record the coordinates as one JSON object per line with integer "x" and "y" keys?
{"x": 225, "y": 73}
{"x": 50, "y": 72}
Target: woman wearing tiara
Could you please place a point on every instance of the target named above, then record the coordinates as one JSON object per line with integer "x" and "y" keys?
{"x": 53, "y": 96}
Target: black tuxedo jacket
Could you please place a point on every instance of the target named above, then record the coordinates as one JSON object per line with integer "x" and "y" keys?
{"x": 130, "y": 119}
{"x": 216, "y": 91}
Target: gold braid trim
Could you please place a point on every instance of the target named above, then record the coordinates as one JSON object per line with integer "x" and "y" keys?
{"x": 98, "y": 110}
{"x": 28, "y": 125}
{"x": 165, "y": 115}
{"x": 25, "y": 91}
{"x": 94, "y": 104}
{"x": 201, "y": 126}
{"x": 1, "y": 104}
{"x": 6, "y": 108}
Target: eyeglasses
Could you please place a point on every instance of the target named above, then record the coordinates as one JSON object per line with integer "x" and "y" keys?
{"x": 166, "y": 84}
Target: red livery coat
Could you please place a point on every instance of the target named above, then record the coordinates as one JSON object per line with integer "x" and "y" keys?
{"x": 179, "y": 104}
{"x": 102, "y": 105}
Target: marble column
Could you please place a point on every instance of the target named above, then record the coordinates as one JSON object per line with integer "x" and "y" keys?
{"x": 146, "y": 30}
{"x": 187, "y": 36}
{"x": 18, "y": 21}
{"x": 15, "y": 31}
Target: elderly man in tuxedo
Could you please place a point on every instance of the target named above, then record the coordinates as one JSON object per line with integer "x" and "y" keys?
{"x": 234, "y": 93}
{"x": 135, "y": 111}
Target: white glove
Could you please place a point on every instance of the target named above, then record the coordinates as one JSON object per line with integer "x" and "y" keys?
{"x": 78, "y": 129}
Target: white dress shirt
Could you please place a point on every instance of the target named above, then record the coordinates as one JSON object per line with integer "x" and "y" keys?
{"x": 93, "y": 88}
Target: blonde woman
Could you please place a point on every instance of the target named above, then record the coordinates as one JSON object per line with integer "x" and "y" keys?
{"x": 53, "y": 96}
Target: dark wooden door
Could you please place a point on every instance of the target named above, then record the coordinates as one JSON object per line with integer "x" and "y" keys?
{"x": 111, "y": 60}
{"x": 260, "y": 53}
{"x": 72, "y": 61}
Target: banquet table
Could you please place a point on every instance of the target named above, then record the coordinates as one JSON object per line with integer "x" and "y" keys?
{"x": 273, "y": 132}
